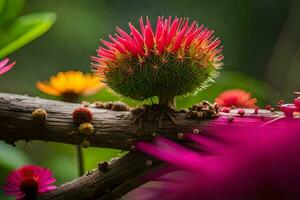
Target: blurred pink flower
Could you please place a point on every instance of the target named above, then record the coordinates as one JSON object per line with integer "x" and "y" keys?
{"x": 4, "y": 66}
{"x": 237, "y": 98}
{"x": 28, "y": 181}
{"x": 290, "y": 109}
{"x": 259, "y": 162}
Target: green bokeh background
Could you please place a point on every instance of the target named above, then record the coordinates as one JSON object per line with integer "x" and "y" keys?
{"x": 249, "y": 30}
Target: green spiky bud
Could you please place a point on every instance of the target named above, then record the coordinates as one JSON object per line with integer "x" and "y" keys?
{"x": 179, "y": 59}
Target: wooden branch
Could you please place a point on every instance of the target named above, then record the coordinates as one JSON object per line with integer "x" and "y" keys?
{"x": 101, "y": 184}
{"x": 113, "y": 129}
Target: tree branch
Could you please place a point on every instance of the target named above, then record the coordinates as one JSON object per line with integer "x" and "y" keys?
{"x": 97, "y": 184}
{"x": 113, "y": 129}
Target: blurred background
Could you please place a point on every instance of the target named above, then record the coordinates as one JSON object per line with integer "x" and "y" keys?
{"x": 261, "y": 56}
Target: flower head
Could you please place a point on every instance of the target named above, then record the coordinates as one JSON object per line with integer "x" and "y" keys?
{"x": 28, "y": 181}
{"x": 175, "y": 58}
{"x": 70, "y": 85}
{"x": 290, "y": 109}
{"x": 4, "y": 66}
{"x": 237, "y": 98}
{"x": 297, "y": 102}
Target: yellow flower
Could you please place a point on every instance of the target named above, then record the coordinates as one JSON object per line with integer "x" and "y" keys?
{"x": 70, "y": 85}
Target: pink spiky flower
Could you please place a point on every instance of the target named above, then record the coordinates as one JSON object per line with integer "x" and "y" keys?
{"x": 175, "y": 58}
{"x": 4, "y": 66}
{"x": 28, "y": 181}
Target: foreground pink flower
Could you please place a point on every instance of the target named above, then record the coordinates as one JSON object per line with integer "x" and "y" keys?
{"x": 4, "y": 66}
{"x": 290, "y": 109}
{"x": 174, "y": 58}
{"x": 237, "y": 98}
{"x": 28, "y": 181}
{"x": 234, "y": 163}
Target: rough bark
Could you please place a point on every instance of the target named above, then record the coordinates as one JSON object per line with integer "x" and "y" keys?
{"x": 105, "y": 183}
{"x": 112, "y": 129}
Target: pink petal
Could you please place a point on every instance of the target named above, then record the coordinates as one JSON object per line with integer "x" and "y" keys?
{"x": 180, "y": 37}
{"x": 149, "y": 37}
{"x": 288, "y": 110}
{"x": 6, "y": 68}
{"x": 297, "y": 103}
{"x": 172, "y": 32}
{"x": 136, "y": 34}
{"x": 4, "y": 62}
{"x": 159, "y": 28}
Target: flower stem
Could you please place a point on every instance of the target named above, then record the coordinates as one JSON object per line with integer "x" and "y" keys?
{"x": 74, "y": 98}
{"x": 80, "y": 160}
{"x": 167, "y": 101}
{"x": 70, "y": 97}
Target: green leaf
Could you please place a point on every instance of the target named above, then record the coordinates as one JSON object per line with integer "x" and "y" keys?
{"x": 9, "y": 10}
{"x": 12, "y": 157}
{"x": 23, "y": 30}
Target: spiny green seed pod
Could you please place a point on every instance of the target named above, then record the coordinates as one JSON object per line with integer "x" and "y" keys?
{"x": 39, "y": 115}
{"x": 86, "y": 129}
{"x": 174, "y": 60}
{"x": 85, "y": 144}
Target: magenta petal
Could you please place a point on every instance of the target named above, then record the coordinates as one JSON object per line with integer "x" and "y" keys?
{"x": 288, "y": 110}
{"x": 42, "y": 176}
{"x": 4, "y": 62}
{"x": 261, "y": 164}
{"x": 207, "y": 144}
{"x": 47, "y": 188}
{"x": 4, "y": 67}
{"x": 297, "y": 103}
{"x": 174, "y": 153}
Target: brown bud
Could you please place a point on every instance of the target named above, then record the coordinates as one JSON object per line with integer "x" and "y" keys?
{"x": 148, "y": 163}
{"x": 180, "y": 136}
{"x": 99, "y": 104}
{"x": 120, "y": 106}
{"x": 85, "y": 144}
{"x": 39, "y": 115}
{"x": 196, "y": 131}
{"x": 103, "y": 166}
{"x": 86, "y": 129}
{"x": 108, "y": 105}
{"x": 230, "y": 118}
